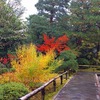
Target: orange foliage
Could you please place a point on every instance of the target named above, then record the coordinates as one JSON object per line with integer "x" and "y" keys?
{"x": 58, "y": 45}
{"x": 8, "y": 77}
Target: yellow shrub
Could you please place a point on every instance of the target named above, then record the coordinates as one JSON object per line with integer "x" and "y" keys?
{"x": 33, "y": 67}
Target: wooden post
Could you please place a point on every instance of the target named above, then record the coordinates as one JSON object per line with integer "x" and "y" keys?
{"x": 66, "y": 75}
{"x": 61, "y": 78}
{"x": 43, "y": 93}
{"x": 54, "y": 84}
{"x": 73, "y": 71}
{"x": 70, "y": 72}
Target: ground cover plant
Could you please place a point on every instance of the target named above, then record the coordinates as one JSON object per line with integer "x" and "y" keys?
{"x": 12, "y": 91}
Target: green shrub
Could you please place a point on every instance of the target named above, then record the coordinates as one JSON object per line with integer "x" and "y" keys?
{"x": 3, "y": 70}
{"x": 2, "y": 65}
{"x": 12, "y": 91}
{"x": 83, "y": 61}
{"x": 69, "y": 61}
{"x": 12, "y": 70}
{"x": 98, "y": 68}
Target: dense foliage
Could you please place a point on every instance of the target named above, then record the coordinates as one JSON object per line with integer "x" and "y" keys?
{"x": 85, "y": 16}
{"x": 69, "y": 61}
{"x": 53, "y": 10}
{"x": 52, "y": 18}
{"x": 31, "y": 67}
{"x": 85, "y": 19}
{"x": 12, "y": 91}
{"x": 10, "y": 24}
{"x": 37, "y": 25}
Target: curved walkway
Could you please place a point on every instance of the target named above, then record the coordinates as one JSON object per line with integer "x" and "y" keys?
{"x": 80, "y": 87}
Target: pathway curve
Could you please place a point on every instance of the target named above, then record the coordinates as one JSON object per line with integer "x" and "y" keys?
{"x": 80, "y": 87}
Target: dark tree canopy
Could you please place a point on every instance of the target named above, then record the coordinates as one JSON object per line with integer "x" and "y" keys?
{"x": 85, "y": 18}
{"x": 52, "y": 9}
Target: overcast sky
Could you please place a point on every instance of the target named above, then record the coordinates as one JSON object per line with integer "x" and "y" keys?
{"x": 30, "y": 7}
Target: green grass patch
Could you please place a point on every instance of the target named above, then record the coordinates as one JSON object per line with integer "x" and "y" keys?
{"x": 91, "y": 69}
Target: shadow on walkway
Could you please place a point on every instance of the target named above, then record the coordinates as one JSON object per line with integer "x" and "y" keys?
{"x": 80, "y": 87}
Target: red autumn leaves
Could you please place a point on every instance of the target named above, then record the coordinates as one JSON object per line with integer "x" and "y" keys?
{"x": 52, "y": 43}
{"x": 6, "y": 60}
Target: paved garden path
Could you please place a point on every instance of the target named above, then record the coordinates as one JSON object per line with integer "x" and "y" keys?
{"x": 80, "y": 87}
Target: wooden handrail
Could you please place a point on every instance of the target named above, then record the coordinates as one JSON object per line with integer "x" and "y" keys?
{"x": 35, "y": 91}
{"x": 42, "y": 88}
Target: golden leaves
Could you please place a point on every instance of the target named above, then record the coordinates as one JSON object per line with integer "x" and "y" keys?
{"x": 31, "y": 66}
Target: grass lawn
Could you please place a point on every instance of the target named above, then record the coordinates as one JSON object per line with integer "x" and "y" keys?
{"x": 91, "y": 69}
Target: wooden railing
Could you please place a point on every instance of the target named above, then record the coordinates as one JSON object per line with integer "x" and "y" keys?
{"x": 42, "y": 88}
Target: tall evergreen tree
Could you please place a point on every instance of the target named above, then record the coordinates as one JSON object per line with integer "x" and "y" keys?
{"x": 37, "y": 25}
{"x": 85, "y": 15}
{"x": 85, "y": 18}
{"x": 50, "y": 19}
{"x": 10, "y": 24}
{"x": 52, "y": 9}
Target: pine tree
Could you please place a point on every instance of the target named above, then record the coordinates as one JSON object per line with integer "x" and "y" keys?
{"x": 10, "y": 24}
{"x": 85, "y": 18}
{"x": 52, "y": 9}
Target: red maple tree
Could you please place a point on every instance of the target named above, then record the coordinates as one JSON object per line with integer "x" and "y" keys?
{"x": 58, "y": 45}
